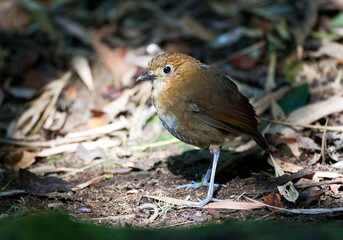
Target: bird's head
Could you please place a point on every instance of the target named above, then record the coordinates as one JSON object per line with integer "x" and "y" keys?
{"x": 169, "y": 67}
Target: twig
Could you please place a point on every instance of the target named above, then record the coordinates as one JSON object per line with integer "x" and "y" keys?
{"x": 103, "y": 143}
{"x": 157, "y": 144}
{"x": 246, "y": 50}
{"x": 327, "y": 182}
{"x": 100, "y": 130}
{"x": 87, "y": 183}
{"x": 84, "y": 168}
{"x": 328, "y": 128}
{"x": 110, "y": 218}
{"x": 270, "y": 82}
{"x": 12, "y": 192}
{"x": 154, "y": 207}
{"x": 324, "y": 147}
{"x": 69, "y": 138}
{"x": 311, "y": 211}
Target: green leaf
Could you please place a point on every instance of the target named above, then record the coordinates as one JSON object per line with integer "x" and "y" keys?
{"x": 337, "y": 21}
{"x": 294, "y": 98}
{"x": 328, "y": 36}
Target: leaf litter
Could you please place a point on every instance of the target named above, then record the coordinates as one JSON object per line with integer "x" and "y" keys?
{"x": 97, "y": 110}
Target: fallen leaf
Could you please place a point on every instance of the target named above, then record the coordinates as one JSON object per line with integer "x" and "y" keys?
{"x": 273, "y": 199}
{"x": 307, "y": 143}
{"x": 225, "y": 204}
{"x": 335, "y": 188}
{"x": 331, "y": 49}
{"x": 295, "y": 98}
{"x": 89, "y": 155}
{"x": 285, "y": 166}
{"x": 96, "y": 122}
{"x": 310, "y": 194}
{"x": 19, "y": 159}
{"x": 34, "y": 117}
{"x": 81, "y": 66}
{"x": 277, "y": 112}
{"x": 315, "y": 158}
{"x": 192, "y": 27}
{"x": 264, "y": 103}
{"x": 309, "y": 113}
{"x": 70, "y": 94}
{"x": 114, "y": 60}
{"x": 35, "y": 184}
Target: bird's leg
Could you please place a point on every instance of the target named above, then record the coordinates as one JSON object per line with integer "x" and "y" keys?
{"x": 204, "y": 181}
{"x": 210, "y": 185}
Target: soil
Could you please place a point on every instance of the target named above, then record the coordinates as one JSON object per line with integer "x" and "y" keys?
{"x": 117, "y": 200}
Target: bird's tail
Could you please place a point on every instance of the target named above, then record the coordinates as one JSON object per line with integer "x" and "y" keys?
{"x": 261, "y": 141}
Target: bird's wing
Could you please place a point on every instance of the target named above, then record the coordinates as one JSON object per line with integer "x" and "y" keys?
{"x": 236, "y": 115}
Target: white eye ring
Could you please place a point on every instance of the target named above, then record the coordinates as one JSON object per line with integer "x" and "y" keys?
{"x": 167, "y": 69}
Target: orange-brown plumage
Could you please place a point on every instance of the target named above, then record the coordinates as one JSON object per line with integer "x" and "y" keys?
{"x": 199, "y": 104}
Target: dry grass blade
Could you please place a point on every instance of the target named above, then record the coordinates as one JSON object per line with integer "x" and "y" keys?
{"x": 81, "y": 66}
{"x": 33, "y": 118}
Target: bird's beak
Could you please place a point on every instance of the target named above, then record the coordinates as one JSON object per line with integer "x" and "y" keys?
{"x": 145, "y": 76}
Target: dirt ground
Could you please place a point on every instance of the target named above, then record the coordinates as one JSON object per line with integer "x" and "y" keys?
{"x": 115, "y": 200}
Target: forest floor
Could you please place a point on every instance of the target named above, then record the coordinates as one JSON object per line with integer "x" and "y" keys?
{"x": 79, "y": 135}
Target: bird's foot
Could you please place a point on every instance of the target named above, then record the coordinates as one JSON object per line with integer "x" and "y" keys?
{"x": 200, "y": 202}
{"x": 198, "y": 185}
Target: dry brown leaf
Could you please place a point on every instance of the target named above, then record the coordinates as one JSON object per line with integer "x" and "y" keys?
{"x": 264, "y": 103}
{"x": 87, "y": 155}
{"x": 285, "y": 166}
{"x": 70, "y": 94}
{"x": 114, "y": 60}
{"x": 331, "y": 49}
{"x": 225, "y": 204}
{"x": 307, "y": 143}
{"x": 273, "y": 199}
{"x": 34, "y": 117}
{"x": 294, "y": 146}
{"x": 35, "y": 184}
{"x": 96, "y": 122}
{"x": 277, "y": 111}
{"x": 119, "y": 105}
{"x": 194, "y": 28}
{"x": 309, "y": 114}
{"x": 335, "y": 188}
{"x": 19, "y": 159}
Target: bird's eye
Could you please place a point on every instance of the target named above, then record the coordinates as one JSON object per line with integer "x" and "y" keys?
{"x": 167, "y": 69}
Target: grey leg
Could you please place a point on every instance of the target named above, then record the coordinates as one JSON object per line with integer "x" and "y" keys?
{"x": 210, "y": 184}
{"x": 204, "y": 182}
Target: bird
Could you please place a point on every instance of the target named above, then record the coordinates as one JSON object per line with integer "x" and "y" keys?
{"x": 201, "y": 106}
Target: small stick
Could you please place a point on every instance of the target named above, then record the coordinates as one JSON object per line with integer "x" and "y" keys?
{"x": 328, "y": 128}
{"x": 324, "y": 146}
